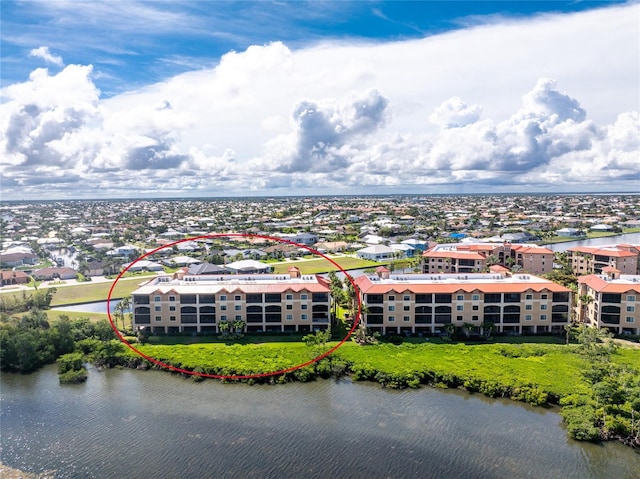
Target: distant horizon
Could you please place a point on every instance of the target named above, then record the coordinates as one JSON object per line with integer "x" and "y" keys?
{"x": 364, "y": 195}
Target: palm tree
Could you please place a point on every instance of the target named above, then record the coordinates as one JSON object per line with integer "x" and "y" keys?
{"x": 124, "y": 305}
{"x": 450, "y": 329}
{"x": 488, "y": 327}
{"x": 238, "y": 326}
{"x": 467, "y": 328}
{"x": 224, "y": 327}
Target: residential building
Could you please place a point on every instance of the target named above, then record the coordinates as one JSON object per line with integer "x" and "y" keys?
{"x": 592, "y": 259}
{"x": 264, "y": 302}
{"x": 11, "y": 260}
{"x": 475, "y": 257}
{"x": 610, "y": 300}
{"x": 425, "y": 303}
{"x": 13, "y": 278}
{"x": 378, "y": 252}
{"x": 48, "y": 274}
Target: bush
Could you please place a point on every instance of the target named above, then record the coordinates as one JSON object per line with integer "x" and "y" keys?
{"x": 73, "y": 376}
{"x": 70, "y": 362}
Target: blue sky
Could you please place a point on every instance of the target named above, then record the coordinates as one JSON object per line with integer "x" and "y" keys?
{"x": 234, "y": 98}
{"x": 136, "y": 43}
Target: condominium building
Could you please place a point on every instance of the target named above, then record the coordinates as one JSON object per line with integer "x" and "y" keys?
{"x": 592, "y": 259}
{"x": 425, "y": 303}
{"x": 610, "y": 300}
{"x": 263, "y": 302}
{"x": 474, "y": 257}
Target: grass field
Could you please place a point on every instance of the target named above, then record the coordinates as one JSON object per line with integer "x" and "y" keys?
{"x": 321, "y": 265}
{"x": 84, "y": 293}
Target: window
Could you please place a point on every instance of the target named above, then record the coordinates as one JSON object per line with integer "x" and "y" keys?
{"x": 272, "y": 297}
{"x": 223, "y": 307}
{"x": 303, "y": 296}
{"x": 629, "y": 319}
{"x": 289, "y": 297}
{"x": 188, "y": 299}
{"x": 423, "y": 298}
{"x": 474, "y": 318}
{"x": 303, "y": 306}
{"x": 223, "y": 297}
{"x": 528, "y": 307}
{"x": 406, "y": 319}
{"x": 289, "y": 317}
{"x": 528, "y": 297}
{"x": 238, "y": 307}
{"x": 238, "y": 317}
{"x": 512, "y": 297}
{"x": 459, "y": 308}
{"x": 492, "y": 297}
{"x": 237, "y": 297}
{"x": 207, "y": 298}
{"x": 543, "y": 306}
{"x": 459, "y": 318}
{"x": 172, "y": 298}
{"x": 442, "y": 298}
{"x": 391, "y": 319}
{"x": 157, "y": 298}
{"x": 158, "y": 318}
{"x": 172, "y": 308}
{"x": 543, "y": 317}
{"x": 172, "y": 318}
{"x": 543, "y": 296}
{"x": 408, "y": 298}
{"x": 475, "y": 308}
{"x": 223, "y": 317}
{"x": 475, "y": 297}
{"x": 460, "y": 297}
{"x": 289, "y": 306}
{"x": 157, "y": 308}
{"x": 392, "y": 297}
{"x": 254, "y": 298}
{"x": 631, "y": 309}
{"x": 631, "y": 297}
{"x": 303, "y": 317}
{"x": 319, "y": 297}
{"x": 406, "y": 308}
{"x": 560, "y": 297}
{"x": 392, "y": 307}
{"x": 527, "y": 317}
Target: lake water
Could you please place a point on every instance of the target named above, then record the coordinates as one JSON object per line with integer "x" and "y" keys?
{"x": 629, "y": 238}
{"x": 152, "y": 424}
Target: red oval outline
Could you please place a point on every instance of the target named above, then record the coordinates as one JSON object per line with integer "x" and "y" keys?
{"x": 238, "y": 376}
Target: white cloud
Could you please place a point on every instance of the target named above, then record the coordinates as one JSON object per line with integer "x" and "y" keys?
{"x": 337, "y": 117}
{"x": 46, "y": 55}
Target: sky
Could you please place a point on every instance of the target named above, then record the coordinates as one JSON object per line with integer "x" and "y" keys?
{"x": 128, "y": 99}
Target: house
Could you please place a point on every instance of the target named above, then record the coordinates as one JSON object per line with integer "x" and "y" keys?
{"x": 331, "y": 246}
{"x": 13, "y": 278}
{"x": 14, "y": 259}
{"x": 570, "y": 232}
{"x": 248, "y": 266}
{"x": 262, "y": 302}
{"x": 49, "y": 274}
{"x": 377, "y": 252}
{"x": 426, "y": 303}
{"x": 206, "y": 269}
{"x": 610, "y": 300}
{"x": 143, "y": 265}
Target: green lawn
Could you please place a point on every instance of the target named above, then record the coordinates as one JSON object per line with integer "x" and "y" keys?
{"x": 94, "y": 291}
{"x": 590, "y": 234}
{"x": 323, "y": 266}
